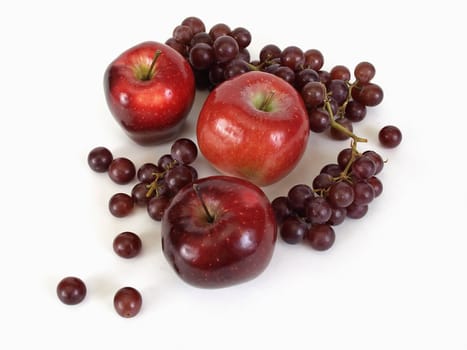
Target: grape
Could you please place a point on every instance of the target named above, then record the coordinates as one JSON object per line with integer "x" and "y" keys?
{"x": 293, "y": 230}
{"x": 281, "y": 209}
{"x": 122, "y": 170}
{"x": 363, "y": 167}
{"x": 340, "y": 72}
{"x": 355, "y": 111}
{"x": 297, "y": 197}
{"x": 337, "y": 134}
{"x": 286, "y": 74}
{"x": 320, "y": 237}
{"x": 269, "y": 52}
{"x": 219, "y": 30}
{"x": 165, "y": 161}
{"x": 377, "y": 160}
{"x": 370, "y": 95}
{"x": 242, "y": 36}
{"x": 184, "y": 151}
{"x": 272, "y": 68}
{"x": 127, "y": 302}
{"x": 177, "y": 177}
{"x": 313, "y": 59}
{"x": 195, "y": 24}
{"x": 390, "y": 136}
{"x": 292, "y": 57}
{"x": 364, "y": 193}
{"x": 99, "y": 159}
{"x": 225, "y": 48}
{"x": 179, "y": 47}
{"x": 305, "y": 76}
{"x": 341, "y": 194}
{"x": 71, "y": 290}
{"x": 244, "y": 54}
{"x": 201, "y": 56}
{"x": 364, "y": 72}
{"x": 235, "y": 67}
{"x": 332, "y": 169}
{"x": 338, "y": 216}
{"x": 322, "y": 181}
{"x": 338, "y": 90}
{"x": 156, "y": 207}
{"x": 318, "y": 210}
{"x": 120, "y": 205}
{"x": 376, "y": 184}
{"x": 183, "y": 34}
{"x": 318, "y": 119}
{"x": 344, "y": 157}
{"x": 355, "y": 211}
{"x": 146, "y": 172}
{"x": 313, "y": 94}
{"x": 216, "y": 74}
{"x": 127, "y": 245}
{"x": 139, "y": 193}
{"x": 201, "y": 37}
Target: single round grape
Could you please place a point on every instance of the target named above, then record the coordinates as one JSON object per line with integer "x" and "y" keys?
{"x": 364, "y": 72}
{"x": 120, "y": 205}
{"x": 377, "y": 159}
{"x": 292, "y": 57}
{"x": 337, "y": 134}
{"x": 322, "y": 181}
{"x": 344, "y": 157}
{"x": 297, "y": 196}
{"x": 235, "y": 67}
{"x": 183, "y": 34}
{"x": 269, "y": 52}
{"x": 355, "y": 111}
{"x": 313, "y": 94}
{"x": 216, "y": 74}
{"x": 371, "y": 95}
{"x": 184, "y": 151}
{"x": 122, "y": 170}
{"x": 156, "y": 207}
{"x": 165, "y": 161}
{"x": 340, "y": 194}
{"x": 340, "y": 72}
{"x": 338, "y": 216}
{"x": 363, "y": 167}
{"x": 355, "y": 211}
{"x": 286, "y": 74}
{"x": 127, "y": 245}
{"x": 339, "y": 90}
{"x": 390, "y": 136}
{"x": 179, "y": 47}
{"x": 318, "y": 120}
{"x": 128, "y": 302}
{"x": 146, "y": 172}
{"x": 139, "y": 193}
{"x": 195, "y": 24}
{"x": 324, "y": 77}
{"x": 99, "y": 159}
{"x": 178, "y": 177}
{"x": 305, "y": 76}
{"x": 332, "y": 169}
{"x": 318, "y": 210}
{"x": 272, "y": 68}
{"x": 201, "y": 37}
{"x": 71, "y": 290}
{"x": 244, "y": 54}
{"x": 218, "y": 30}
{"x": 201, "y": 56}
{"x": 242, "y": 36}
{"x": 293, "y": 230}
{"x": 376, "y": 184}
{"x": 225, "y": 48}
{"x": 313, "y": 59}
{"x": 281, "y": 209}
{"x": 320, "y": 237}
{"x": 363, "y": 193}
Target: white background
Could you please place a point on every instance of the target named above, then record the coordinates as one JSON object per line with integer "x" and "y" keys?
{"x": 394, "y": 280}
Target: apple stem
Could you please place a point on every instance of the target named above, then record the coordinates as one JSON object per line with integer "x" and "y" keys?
{"x": 150, "y": 73}
{"x": 198, "y": 194}
{"x": 266, "y": 102}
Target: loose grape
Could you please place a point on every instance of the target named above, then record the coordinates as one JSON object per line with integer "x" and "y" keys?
{"x": 71, "y": 290}
{"x": 128, "y": 302}
{"x": 390, "y": 136}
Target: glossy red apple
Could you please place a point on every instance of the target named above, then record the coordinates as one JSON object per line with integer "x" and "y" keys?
{"x": 150, "y": 90}
{"x": 218, "y": 232}
{"x": 254, "y": 126}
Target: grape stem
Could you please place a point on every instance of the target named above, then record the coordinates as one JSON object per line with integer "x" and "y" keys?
{"x": 154, "y": 185}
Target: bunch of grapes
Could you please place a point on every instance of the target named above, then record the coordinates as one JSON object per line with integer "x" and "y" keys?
{"x": 157, "y": 182}
{"x": 342, "y": 189}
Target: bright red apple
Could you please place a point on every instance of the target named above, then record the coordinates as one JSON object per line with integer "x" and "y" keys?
{"x": 150, "y": 90}
{"x": 254, "y": 126}
{"x": 218, "y": 232}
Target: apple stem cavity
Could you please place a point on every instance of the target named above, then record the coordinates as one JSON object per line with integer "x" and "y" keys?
{"x": 265, "y": 105}
{"x": 203, "y": 203}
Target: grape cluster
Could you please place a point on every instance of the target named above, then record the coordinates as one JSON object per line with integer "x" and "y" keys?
{"x": 158, "y": 182}
{"x": 342, "y": 189}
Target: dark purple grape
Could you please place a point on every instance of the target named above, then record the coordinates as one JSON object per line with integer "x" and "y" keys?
{"x": 313, "y": 94}
{"x": 320, "y": 237}
{"x": 242, "y": 36}
{"x": 318, "y": 210}
{"x": 337, "y": 134}
{"x": 225, "y": 48}
{"x": 178, "y": 177}
{"x": 376, "y": 184}
{"x": 120, "y": 205}
{"x": 281, "y": 209}
{"x": 201, "y": 37}
{"x": 244, "y": 54}
{"x": 218, "y": 30}
{"x": 370, "y": 95}
{"x": 269, "y": 52}
{"x": 195, "y": 24}
{"x": 235, "y": 67}
{"x": 156, "y": 207}
{"x": 122, "y": 170}
{"x": 338, "y": 90}
{"x": 127, "y": 245}
{"x": 363, "y": 167}
{"x": 313, "y": 59}
{"x": 165, "y": 161}
{"x": 272, "y": 68}
{"x": 146, "y": 172}
{"x": 324, "y": 77}
{"x": 99, "y": 159}
{"x": 216, "y": 74}
{"x": 305, "y": 76}
{"x": 201, "y": 56}
{"x": 344, "y": 157}
{"x": 355, "y": 111}
{"x": 332, "y": 169}
{"x": 286, "y": 74}
{"x": 292, "y": 57}
{"x": 318, "y": 119}
{"x": 293, "y": 230}
{"x": 128, "y": 302}
{"x": 390, "y": 136}
{"x": 184, "y": 151}
{"x": 139, "y": 193}
{"x": 338, "y": 216}
{"x": 363, "y": 193}
{"x": 377, "y": 159}
{"x": 183, "y": 34}
{"x": 340, "y": 72}
{"x": 355, "y": 211}
{"x": 340, "y": 194}
{"x": 364, "y": 72}
{"x": 322, "y": 181}
{"x": 179, "y": 47}
{"x": 71, "y": 290}
{"x": 297, "y": 197}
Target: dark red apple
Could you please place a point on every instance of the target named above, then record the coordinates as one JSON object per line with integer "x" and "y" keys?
{"x": 150, "y": 90}
{"x": 218, "y": 232}
{"x": 254, "y": 126}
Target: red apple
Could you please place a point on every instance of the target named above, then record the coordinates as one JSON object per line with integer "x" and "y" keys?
{"x": 150, "y": 90}
{"x": 254, "y": 126}
{"x": 218, "y": 232}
